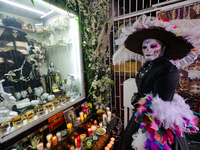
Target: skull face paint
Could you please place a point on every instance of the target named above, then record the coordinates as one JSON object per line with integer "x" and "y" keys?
{"x": 151, "y": 49}
{"x": 15, "y": 33}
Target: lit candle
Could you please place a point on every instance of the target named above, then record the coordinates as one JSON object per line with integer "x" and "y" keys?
{"x": 95, "y": 122}
{"x": 112, "y": 143}
{"x": 81, "y": 114}
{"x": 100, "y": 124}
{"x": 89, "y": 131}
{"x": 112, "y": 139}
{"x": 72, "y": 147}
{"x": 104, "y": 119}
{"x": 69, "y": 127}
{"x": 48, "y": 145}
{"x": 54, "y": 140}
{"x": 49, "y": 136}
{"x": 40, "y": 146}
{"x": 58, "y": 134}
{"x": 108, "y": 119}
{"x": 109, "y": 114}
{"x": 82, "y": 119}
{"x": 93, "y": 130}
{"x": 109, "y": 146}
{"x": 75, "y": 141}
{"x": 107, "y": 109}
{"x": 85, "y": 116}
{"x": 106, "y": 148}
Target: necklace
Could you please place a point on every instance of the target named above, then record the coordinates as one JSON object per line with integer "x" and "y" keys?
{"x": 145, "y": 70}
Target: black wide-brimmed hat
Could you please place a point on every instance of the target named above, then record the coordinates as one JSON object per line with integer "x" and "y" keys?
{"x": 181, "y": 38}
{"x": 176, "y": 47}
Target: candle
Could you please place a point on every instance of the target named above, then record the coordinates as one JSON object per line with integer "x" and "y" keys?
{"x": 104, "y": 119}
{"x": 100, "y": 124}
{"x": 54, "y": 140}
{"x": 109, "y": 146}
{"x": 85, "y": 116}
{"x": 108, "y": 119}
{"x": 69, "y": 127}
{"x": 95, "y": 122}
{"x": 58, "y": 134}
{"x": 83, "y": 141}
{"x": 109, "y": 114}
{"x": 75, "y": 141}
{"x": 107, "y": 109}
{"x": 82, "y": 119}
{"x": 72, "y": 147}
{"x": 40, "y": 146}
{"x": 106, "y": 148}
{"x": 112, "y": 139}
{"x": 81, "y": 114}
{"x": 111, "y": 143}
{"x": 79, "y": 120}
{"x": 93, "y": 130}
{"x": 89, "y": 131}
{"x": 48, "y": 145}
{"x": 49, "y": 136}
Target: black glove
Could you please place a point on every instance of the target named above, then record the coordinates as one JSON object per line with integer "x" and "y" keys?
{"x": 135, "y": 98}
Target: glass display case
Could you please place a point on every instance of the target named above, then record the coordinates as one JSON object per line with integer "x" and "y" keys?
{"x": 41, "y": 68}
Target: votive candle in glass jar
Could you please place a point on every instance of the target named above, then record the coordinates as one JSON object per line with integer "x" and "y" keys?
{"x": 89, "y": 131}
{"x": 54, "y": 140}
{"x": 48, "y": 137}
{"x": 81, "y": 114}
{"x": 69, "y": 127}
{"x": 58, "y": 134}
{"x": 40, "y": 146}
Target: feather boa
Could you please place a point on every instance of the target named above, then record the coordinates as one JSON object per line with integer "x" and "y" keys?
{"x": 159, "y": 120}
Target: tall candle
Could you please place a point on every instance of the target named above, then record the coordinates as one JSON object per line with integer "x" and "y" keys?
{"x": 82, "y": 119}
{"x": 109, "y": 114}
{"x": 85, "y": 116}
{"x": 40, "y": 146}
{"x": 54, "y": 140}
{"x": 49, "y": 136}
{"x": 81, "y": 114}
{"x": 72, "y": 147}
{"x": 48, "y": 145}
{"x": 104, "y": 119}
{"x": 100, "y": 125}
{"x": 106, "y": 148}
{"x": 93, "y": 130}
{"x": 89, "y": 131}
{"x": 112, "y": 139}
{"x": 69, "y": 127}
{"x": 107, "y": 109}
{"x": 58, "y": 134}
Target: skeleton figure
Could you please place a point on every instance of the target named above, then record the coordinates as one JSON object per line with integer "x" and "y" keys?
{"x": 15, "y": 33}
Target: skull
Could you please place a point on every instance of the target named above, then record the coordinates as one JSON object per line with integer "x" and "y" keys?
{"x": 15, "y": 33}
{"x": 151, "y": 49}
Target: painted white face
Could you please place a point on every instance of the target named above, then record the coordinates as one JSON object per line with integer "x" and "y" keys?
{"x": 151, "y": 49}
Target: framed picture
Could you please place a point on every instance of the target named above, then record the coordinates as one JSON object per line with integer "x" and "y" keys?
{"x": 70, "y": 115}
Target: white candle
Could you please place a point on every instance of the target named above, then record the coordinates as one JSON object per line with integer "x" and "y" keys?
{"x": 58, "y": 134}
{"x": 107, "y": 109}
{"x": 100, "y": 124}
{"x": 109, "y": 114}
{"x": 49, "y": 136}
{"x": 48, "y": 145}
{"x": 108, "y": 119}
{"x": 104, "y": 119}
{"x": 40, "y": 146}
{"x": 93, "y": 129}
{"x": 81, "y": 114}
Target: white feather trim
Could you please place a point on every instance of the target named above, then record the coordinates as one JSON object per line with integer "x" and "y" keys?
{"x": 138, "y": 140}
{"x": 171, "y": 113}
{"x": 122, "y": 55}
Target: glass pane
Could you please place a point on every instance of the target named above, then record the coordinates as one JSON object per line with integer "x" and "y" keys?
{"x": 40, "y": 62}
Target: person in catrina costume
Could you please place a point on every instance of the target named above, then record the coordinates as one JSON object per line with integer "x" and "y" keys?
{"x": 162, "y": 117}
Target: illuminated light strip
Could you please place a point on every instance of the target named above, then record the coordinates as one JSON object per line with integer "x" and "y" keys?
{"x": 47, "y": 14}
{"x": 22, "y": 6}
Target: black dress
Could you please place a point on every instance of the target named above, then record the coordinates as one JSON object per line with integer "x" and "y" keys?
{"x": 160, "y": 77}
